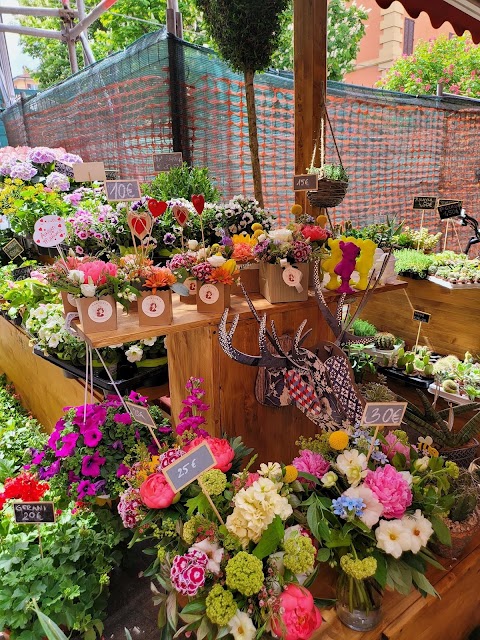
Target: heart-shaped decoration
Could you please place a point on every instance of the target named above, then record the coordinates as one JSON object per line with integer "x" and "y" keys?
{"x": 140, "y": 224}
{"x": 157, "y": 207}
{"x": 181, "y": 214}
{"x": 199, "y": 203}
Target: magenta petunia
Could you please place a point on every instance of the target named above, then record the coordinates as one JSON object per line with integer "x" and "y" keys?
{"x": 92, "y": 437}
{"x": 122, "y": 470}
{"x": 69, "y": 442}
{"x": 123, "y": 418}
{"x": 91, "y": 464}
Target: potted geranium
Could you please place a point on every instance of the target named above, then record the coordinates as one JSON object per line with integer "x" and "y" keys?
{"x": 283, "y": 256}
{"x": 215, "y": 276}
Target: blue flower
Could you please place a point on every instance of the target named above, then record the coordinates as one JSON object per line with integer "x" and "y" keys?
{"x": 346, "y": 507}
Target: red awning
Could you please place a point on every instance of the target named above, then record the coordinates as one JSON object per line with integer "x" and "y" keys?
{"x": 440, "y": 12}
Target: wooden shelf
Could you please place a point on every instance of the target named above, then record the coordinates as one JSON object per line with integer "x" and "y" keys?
{"x": 186, "y": 317}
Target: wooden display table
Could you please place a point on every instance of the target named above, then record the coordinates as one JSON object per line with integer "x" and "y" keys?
{"x": 452, "y": 616}
{"x": 453, "y": 326}
{"x": 194, "y": 350}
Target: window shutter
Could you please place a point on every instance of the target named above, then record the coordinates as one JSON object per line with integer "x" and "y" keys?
{"x": 408, "y": 33}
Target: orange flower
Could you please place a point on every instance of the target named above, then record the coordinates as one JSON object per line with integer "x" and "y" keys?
{"x": 159, "y": 278}
{"x": 221, "y": 276}
{"x": 242, "y": 252}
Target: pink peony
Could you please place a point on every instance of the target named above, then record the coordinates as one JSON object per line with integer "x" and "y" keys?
{"x": 393, "y": 446}
{"x": 312, "y": 463}
{"x": 221, "y": 449}
{"x": 300, "y": 617}
{"x": 391, "y": 489}
{"x": 156, "y": 493}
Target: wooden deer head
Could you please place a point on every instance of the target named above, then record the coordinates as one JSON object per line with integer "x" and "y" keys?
{"x": 320, "y": 381}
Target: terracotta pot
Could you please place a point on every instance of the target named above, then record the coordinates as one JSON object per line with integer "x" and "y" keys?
{"x": 461, "y": 533}
{"x": 155, "y": 309}
{"x": 212, "y": 298}
{"x": 97, "y": 314}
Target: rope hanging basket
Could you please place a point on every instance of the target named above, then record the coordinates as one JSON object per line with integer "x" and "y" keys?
{"x": 329, "y": 193}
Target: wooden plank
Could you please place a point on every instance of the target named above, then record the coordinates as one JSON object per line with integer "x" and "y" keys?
{"x": 43, "y": 388}
{"x": 453, "y": 326}
{"x": 186, "y": 317}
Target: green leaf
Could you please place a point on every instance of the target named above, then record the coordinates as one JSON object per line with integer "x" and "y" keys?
{"x": 51, "y": 630}
{"x": 172, "y": 611}
{"x": 441, "y": 530}
{"x": 422, "y": 583}
{"x": 323, "y": 555}
{"x": 324, "y": 603}
{"x": 308, "y": 476}
{"x": 270, "y": 539}
{"x": 381, "y": 572}
{"x": 197, "y": 606}
{"x": 162, "y": 615}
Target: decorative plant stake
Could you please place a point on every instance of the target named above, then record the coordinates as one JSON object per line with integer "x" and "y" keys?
{"x": 140, "y": 225}
{"x": 157, "y": 207}
{"x": 421, "y": 317}
{"x": 198, "y": 202}
{"x": 50, "y": 231}
{"x": 142, "y": 415}
{"x": 181, "y": 215}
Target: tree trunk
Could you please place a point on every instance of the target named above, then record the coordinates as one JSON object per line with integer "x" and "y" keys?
{"x": 253, "y": 136}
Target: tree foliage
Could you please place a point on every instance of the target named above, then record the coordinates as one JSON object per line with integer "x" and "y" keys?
{"x": 453, "y": 61}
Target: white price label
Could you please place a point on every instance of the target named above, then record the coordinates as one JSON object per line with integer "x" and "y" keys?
{"x": 292, "y": 277}
{"x": 191, "y": 285}
{"x": 153, "y": 306}
{"x": 209, "y": 293}
{"x": 100, "y": 311}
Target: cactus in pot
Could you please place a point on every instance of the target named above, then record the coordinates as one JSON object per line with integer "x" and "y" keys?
{"x": 384, "y": 341}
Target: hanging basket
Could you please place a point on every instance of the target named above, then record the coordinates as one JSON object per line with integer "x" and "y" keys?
{"x": 329, "y": 193}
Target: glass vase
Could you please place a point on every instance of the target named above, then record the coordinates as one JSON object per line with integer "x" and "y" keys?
{"x": 359, "y": 602}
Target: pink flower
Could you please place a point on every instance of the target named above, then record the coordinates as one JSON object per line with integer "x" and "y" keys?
{"x": 221, "y": 449}
{"x": 315, "y": 234}
{"x": 188, "y": 572}
{"x": 312, "y": 463}
{"x": 69, "y": 442}
{"x": 156, "y": 493}
{"x": 123, "y": 418}
{"x": 239, "y": 483}
{"x": 91, "y": 464}
{"x": 394, "y": 445}
{"x": 391, "y": 489}
{"x": 170, "y": 456}
{"x": 92, "y": 437}
{"x": 300, "y": 616}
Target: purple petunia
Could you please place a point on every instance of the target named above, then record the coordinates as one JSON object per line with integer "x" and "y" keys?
{"x": 91, "y": 464}
{"x": 48, "y": 472}
{"x": 122, "y": 470}
{"x": 92, "y": 437}
{"x": 69, "y": 442}
{"x": 123, "y": 418}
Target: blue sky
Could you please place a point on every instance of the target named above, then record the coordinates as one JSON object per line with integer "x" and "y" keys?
{"x": 17, "y": 59}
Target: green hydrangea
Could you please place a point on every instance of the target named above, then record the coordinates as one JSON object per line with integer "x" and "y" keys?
{"x": 299, "y": 554}
{"x": 318, "y": 444}
{"x": 168, "y": 528}
{"x": 231, "y": 542}
{"x": 359, "y": 569}
{"x": 161, "y": 554}
{"x": 452, "y": 469}
{"x": 221, "y": 605}
{"x": 244, "y": 573}
{"x": 191, "y": 528}
{"x": 402, "y": 436}
{"x": 214, "y": 481}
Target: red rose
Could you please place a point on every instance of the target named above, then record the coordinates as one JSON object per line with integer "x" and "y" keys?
{"x": 315, "y": 234}
{"x": 300, "y": 616}
{"x": 221, "y": 449}
{"x": 156, "y": 493}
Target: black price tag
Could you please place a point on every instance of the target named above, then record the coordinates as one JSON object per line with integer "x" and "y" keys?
{"x": 141, "y": 415}
{"x": 118, "y": 190}
{"x": 34, "y": 512}
{"x": 424, "y": 202}
{"x": 307, "y": 182}
{"x": 167, "y": 161}
{"x": 421, "y": 316}
{"x": 383, "y": 413}
{"x": 449, "y": 208}
{"x": 13, "y": 249}
{"x": 189, "y": 467}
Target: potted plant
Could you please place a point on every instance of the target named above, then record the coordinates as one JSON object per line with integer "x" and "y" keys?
{"x": 459, "y": 378}
{"x": 155, "y": 297}
{"x": 463, "y": 517}
{"x": 181, "y": 264}
{"x": 284, "y": 269}
{"x": 412, "y": 263}
{"x": 459, "y": 445}
{"x": 415, "y": 362}
{"x": 147, "y": 353}
{"x": 361, "y": 361}
{"x": 215, "y": 276}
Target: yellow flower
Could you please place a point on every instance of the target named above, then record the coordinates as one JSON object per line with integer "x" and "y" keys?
{"x": 256, "y": 226}
{"x": 229, "y": 266}
{"x": 338, "y": 440}
{"x": 244, "y": 238}
{"x": 296, "y": 209}
{"x": 290, "y": 474}
{"x": 321, "y": 220}
{"x": 258, "y": 233}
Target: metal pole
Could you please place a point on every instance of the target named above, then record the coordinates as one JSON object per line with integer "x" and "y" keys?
{"x": 88, "y": 56}
{"x": 72, "y": 54}
{"x": 91, "y": 17}
{"x": 30, "y": 31}
{"x": 439, "y": 89}
{"x": 41, "y": 12}
{"x": 8, "y": 89}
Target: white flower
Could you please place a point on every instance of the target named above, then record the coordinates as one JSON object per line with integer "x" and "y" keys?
{"x": 76, "y": 276}
{"x": 216, "y": 261}
{"x": 407, "y": 476}
{"x": 212, "y": 551}
{"x": 421, "y": 464}
{"x": 192, "y": 245}
{"x": 131, "y": 297}
{"x": 282, "y": 235}
{"x": 353, "y": 465}
{"x": 271, "y": 470}
{"x": 393, "y": 537}
{"x": 241, "y": 626}
{"x": 54, "y": 340}
{"x": 149, "y": 342}
{"x": 261, "y": 237}
{"x": 202, "y": 254}
{"x": 373, "y": 509}
{"x": 420, "y": 530}
{"x": 88, "y": 290}
{"x": 329, "y": 479}
{"x": 40, "y": 313}
{"x": 134, "y": 353}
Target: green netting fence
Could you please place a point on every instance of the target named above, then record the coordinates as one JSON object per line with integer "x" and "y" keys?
{"x": 162, "y": 94}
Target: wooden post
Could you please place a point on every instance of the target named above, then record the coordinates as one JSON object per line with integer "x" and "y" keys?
{"x": 310, "y": 77}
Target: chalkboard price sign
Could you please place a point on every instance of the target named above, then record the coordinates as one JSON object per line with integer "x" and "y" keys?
{"x": 383, "y": 413}
{"x": 34, "y": 512}
{"x": 189, "y": 467}
{"x": 22, "y": 273}
{"x": 118, "y": 190}
{"x": 307, "y": 182}
{"x": 167, "y": 161}
{"x": 421, "y": 316}
{"x": 424, "y": 202}
{"x": 450, "y": 209}
{"x": 64, "y": 168}
{"x": 13, "y": 249}
{"x": 141, "y": 415}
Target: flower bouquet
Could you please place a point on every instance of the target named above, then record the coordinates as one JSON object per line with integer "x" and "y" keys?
{"x": 283, "y": 255}
{"x": 215, "y": 276}
{"x": 155, "y": 298}
{"x": 242, "y": 248}
{"x": 95, "y": 286}
{"x": 86, "y": 454}
{"x": 228, "y": 555}
{"x": 373, "y": 506}
{"x": 234, "y": 217}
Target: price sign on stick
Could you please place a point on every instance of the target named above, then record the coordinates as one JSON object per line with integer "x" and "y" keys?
{"x": 13, "y": 249}
{"x": 424, "y": 202}
{"x": 89, "y": 172}
{"x": 143, "y": 416}
{"x": 34, "y": 512}
{"x": 387, "y": 414}
{"x": 166, "y": 161}
{"x": 449, "y": 208}
{"x": 421, "y": 316}
{"x": 307, "y": 182}
{"x": 118, "y": 190}
{"x": 189, "y": 467}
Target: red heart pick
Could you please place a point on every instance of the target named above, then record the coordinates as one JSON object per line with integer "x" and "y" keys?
{"x": 180, "y": 214}
{"x": 157, "y": 207}
{"x": 199, "y": 203}
{"x": 139, "y": 225}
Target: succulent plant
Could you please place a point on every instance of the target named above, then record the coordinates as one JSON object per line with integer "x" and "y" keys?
{"x": 363, "y": 328}
{"x": 467, "y": 497}
{"x": 378, "y": 391}
{"x": 450, "y": 386}
{"x": 412, "y": 261}
{"x": 384, "y": 340}
{"x": 434, "y": 423}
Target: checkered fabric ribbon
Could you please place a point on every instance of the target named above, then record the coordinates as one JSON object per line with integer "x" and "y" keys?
{"x": 302, "y": 393}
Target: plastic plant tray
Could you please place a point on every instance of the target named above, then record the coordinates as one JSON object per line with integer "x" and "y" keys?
{"x": 455, "y": 398}
{"x": 139, "y": 377}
